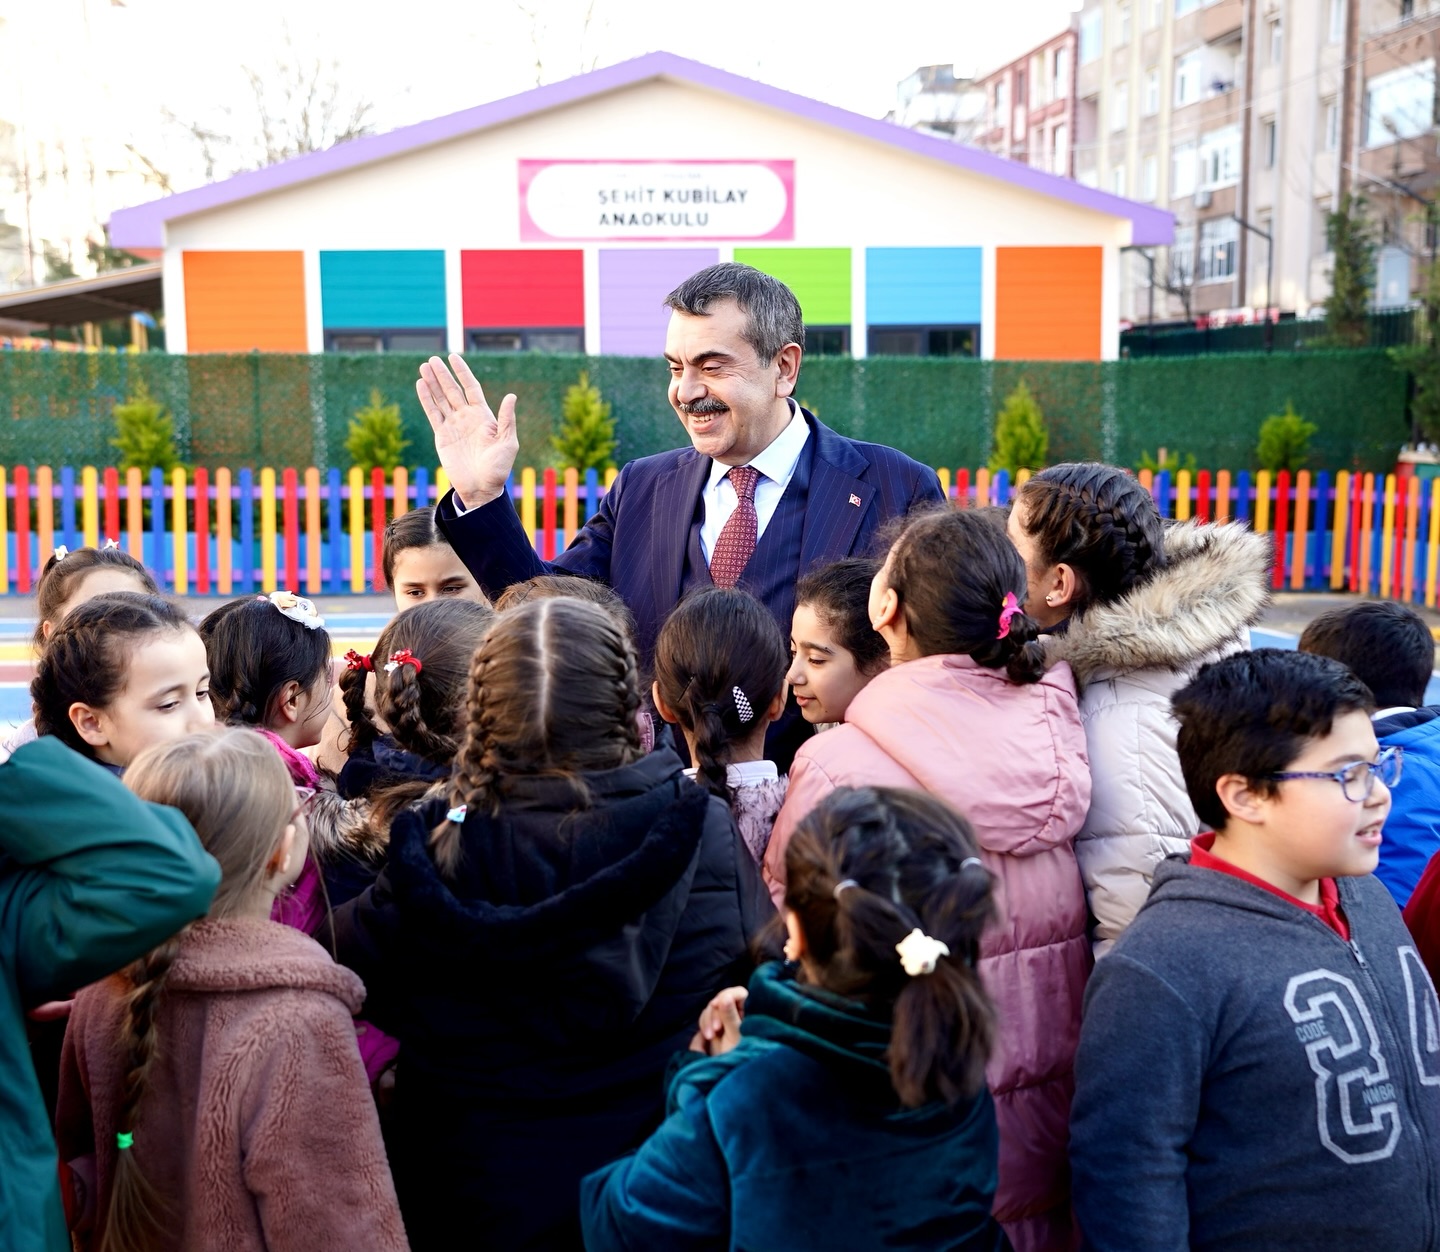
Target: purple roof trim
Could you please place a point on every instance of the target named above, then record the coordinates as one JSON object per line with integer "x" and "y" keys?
{"x": 144, "y": 225}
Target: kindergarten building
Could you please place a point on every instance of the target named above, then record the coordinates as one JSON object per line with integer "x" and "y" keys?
{"x": 557, "y": 220}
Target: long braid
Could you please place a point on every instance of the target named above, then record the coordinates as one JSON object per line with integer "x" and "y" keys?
{"x": 554, "y": 691}
{"x": 363, "y": 731}
{"x": 137, "y": 1209}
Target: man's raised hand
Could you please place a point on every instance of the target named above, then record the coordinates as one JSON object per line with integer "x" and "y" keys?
{"x": 476, "y": 448}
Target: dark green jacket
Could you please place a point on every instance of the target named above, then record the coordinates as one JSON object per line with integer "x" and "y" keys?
{"x": 795, "y": 1140}
{"x": 90, "y": 878}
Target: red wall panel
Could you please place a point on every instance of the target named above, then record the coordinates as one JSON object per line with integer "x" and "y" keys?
{"x": 523, "y": 289}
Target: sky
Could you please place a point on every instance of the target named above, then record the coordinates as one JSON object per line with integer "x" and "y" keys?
{"x": 425, "y": 58}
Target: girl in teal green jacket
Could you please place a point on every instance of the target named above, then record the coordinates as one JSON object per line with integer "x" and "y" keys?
{"x": 849, "y": 1110}
{"x": 90, "y": 878}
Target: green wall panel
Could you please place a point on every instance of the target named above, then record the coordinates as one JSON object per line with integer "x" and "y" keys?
{"x": 819, "y": 277}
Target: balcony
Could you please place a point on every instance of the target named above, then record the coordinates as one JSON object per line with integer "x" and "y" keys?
{"x": 1222, "y": 22}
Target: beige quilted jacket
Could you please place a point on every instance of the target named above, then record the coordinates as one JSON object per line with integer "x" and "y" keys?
{"x": 1128, "y": 658}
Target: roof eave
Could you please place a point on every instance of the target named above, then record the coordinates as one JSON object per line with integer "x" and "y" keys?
{"x": 143, "y": 226}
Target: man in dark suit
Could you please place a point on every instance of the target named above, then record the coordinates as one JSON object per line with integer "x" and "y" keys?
{"x": 764, "y": 493}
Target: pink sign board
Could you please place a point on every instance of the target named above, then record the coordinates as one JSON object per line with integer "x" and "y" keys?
{"x": 655, "y": 200}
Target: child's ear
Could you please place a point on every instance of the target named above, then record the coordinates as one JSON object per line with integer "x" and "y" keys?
{"x": 289, "y": 702}
{"x": 89, "y": 725}
{"x": 279, "y": 862}
{"x": 667, "y": 714}
{"x": 888, "y": 612}
{"x": 777, "y": 706}
{"x": 47, "y": 628}
{"x": 795, "y": 948}
{"x": 1065, "y": 585}
{"x": 1240, "y": 798}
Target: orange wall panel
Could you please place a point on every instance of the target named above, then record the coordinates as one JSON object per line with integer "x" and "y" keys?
{"x": 1047, "y": 304}
{"x": 236, "y": 301}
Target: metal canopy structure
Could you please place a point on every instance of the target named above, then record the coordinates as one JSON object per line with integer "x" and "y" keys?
{"x": 77, "y": 301}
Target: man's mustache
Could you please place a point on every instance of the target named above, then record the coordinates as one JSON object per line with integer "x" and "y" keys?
{"x": 699, "y": 408}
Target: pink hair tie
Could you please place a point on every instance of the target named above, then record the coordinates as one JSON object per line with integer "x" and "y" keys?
{"x": 1008, "y": 609}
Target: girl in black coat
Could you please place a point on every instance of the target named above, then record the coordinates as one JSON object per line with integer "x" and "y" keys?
{"x": 544, "y": 941}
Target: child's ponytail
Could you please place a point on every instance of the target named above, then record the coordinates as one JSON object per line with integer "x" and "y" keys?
{"x": 720, "y": 661}
{"x": 890, "y": 893}
{"x": 363, "y": 731}
{"x": 961, "y": 582}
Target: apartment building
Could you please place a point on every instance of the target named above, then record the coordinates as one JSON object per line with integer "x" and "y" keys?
{"x": 1266, "y": 111}
{"x": 1392, "y": 135}
{"x": 1030, "y": 106}
{"x": 936, "y": 101}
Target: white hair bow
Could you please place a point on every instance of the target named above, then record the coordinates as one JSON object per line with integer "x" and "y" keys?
{"x": 296, "y": 608}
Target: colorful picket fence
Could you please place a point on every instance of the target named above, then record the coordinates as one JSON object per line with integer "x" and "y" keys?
{"x": 224, "y": 533}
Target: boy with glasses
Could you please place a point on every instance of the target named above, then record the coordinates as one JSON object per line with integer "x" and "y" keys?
{"x": 1259, "y": 1063}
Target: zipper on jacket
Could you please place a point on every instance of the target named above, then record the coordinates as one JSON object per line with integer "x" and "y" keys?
{"x": 1412, "y": 1105}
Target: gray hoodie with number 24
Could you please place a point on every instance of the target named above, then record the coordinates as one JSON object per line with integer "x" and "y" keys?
{"x": 1248, "y": 1079}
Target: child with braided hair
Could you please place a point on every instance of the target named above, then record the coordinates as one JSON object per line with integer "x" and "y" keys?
{"x": 849, "y": 1109}
{"x": 968, "y": 712}
{"x": 413, "y": 730}
{"x": 720, "y": 676}
{"x": 1135, "y": 608}
{"x": 542, "y": 939}
{"x": 217, "y": 1082}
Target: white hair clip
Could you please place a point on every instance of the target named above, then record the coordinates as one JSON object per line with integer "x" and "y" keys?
{"x": 296, "y": 608}
{"x": 61, "y": 552}
{"x": 457, "y": 814}
{"x": 109, "y": 544}
{"x": 743, "y": 706}
{"x": 919, "y": 953}
{"x": 969, "y": 861}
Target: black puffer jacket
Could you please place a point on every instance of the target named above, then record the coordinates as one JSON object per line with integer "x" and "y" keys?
{"x": 540, "y": 994}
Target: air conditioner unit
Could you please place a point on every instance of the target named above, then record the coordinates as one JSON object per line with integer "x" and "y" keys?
{"x": 1202, "y": 198}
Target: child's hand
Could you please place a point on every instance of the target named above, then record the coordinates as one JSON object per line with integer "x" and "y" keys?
{"x": 720, "y": 1022}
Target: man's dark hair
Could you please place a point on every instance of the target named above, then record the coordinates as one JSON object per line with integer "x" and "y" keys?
{"x": 1388, "y": 646}
{"x": 1252, "y": 713}
{"x": 773, "y": 316}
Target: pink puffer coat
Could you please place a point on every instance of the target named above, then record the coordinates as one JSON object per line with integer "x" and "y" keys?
{"x": 1012, "y": 759}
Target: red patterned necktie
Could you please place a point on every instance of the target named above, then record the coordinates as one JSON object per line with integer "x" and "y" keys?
{"x": 737, "y": 539}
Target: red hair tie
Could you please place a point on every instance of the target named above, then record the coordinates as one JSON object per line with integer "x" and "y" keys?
{"x": 353, "y": 660}
{"x": 403, "y": 657}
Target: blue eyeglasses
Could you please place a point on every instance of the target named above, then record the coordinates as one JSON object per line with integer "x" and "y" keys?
{"x": 1358, "y": 781}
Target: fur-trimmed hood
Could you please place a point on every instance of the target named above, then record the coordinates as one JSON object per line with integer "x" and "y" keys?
{"x": 1215, "y": 585}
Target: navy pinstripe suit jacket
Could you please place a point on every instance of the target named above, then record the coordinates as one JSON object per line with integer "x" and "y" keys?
{"x": 638, "y": 540}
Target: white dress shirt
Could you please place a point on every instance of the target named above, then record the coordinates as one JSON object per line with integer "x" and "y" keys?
{"x": 777, "y": 467}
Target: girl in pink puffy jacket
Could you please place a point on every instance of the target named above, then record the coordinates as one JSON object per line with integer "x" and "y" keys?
{"x": 967, "y": 712}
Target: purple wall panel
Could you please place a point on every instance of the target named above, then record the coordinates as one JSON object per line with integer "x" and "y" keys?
{"x": 633, "y": 285}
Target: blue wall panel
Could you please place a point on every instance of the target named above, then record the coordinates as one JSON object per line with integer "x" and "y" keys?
{"x": 382, "y": 290}
{"x": 922, "y": 286}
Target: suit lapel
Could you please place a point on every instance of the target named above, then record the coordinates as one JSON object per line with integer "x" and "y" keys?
{"x": 838, "y": 499}
{"x": 671, "y": 512}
